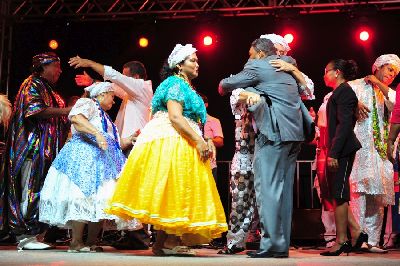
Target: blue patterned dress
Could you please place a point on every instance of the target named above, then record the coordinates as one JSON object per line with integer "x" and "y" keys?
{"x": 82, "y": 177}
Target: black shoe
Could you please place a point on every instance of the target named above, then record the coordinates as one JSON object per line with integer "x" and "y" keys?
{"x": 344, "y": 247}
{"x": 230, "y": 251}
{"x": 362, "y": 237}
{"x": 267, "y": 254}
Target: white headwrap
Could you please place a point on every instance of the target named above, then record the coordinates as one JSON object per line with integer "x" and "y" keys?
{"x": 387, "y": 59}
{"x": 179, "y": 53}
{"x": 99, "y": 87}
{"x": 275, "y": 38}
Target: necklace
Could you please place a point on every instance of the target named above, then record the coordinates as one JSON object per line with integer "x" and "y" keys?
{"x": 104, "y": 118}
{"x": 186, "y": 80}
{"x": 380, "y": 144}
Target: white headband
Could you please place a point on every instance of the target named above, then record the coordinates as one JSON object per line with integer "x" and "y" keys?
{"x": 387, "y": 59}
{"x": 98, "y": 88}
{"x": 275, "y": 38}
{"x": 179, "y": 54}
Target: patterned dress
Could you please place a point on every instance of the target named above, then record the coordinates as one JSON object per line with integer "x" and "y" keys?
{"x": 32, "y": 140}
{"x": 243, "y": 206}
{"x": 82, "y": 177}
{"x": 164, "y": 182}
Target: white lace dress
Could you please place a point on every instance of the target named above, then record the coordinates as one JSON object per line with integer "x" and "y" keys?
{"x": 82, "y": 178}
{"x": 371, "y": 174}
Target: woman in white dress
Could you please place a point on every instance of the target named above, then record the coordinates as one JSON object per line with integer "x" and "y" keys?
{"x": 82, "y": 177}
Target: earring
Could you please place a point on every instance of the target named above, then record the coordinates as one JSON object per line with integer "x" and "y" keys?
{"x": 335, "y": 75}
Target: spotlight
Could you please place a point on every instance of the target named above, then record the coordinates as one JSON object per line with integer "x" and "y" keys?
{"x": 53, "y": 44}
{"x": 207, "y": 40}
{"x": 289, "y": 37}
{"x": 143, "y": 42}
{"x": 364, "y": 36}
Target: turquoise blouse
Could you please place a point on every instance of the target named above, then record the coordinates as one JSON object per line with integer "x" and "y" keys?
{"x": 176, "y": 88}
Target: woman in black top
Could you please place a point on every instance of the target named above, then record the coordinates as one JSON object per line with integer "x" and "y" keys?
{"x": 342, "y": 147}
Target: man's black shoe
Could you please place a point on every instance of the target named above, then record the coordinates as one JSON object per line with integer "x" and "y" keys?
{"x": 267, "y": 254}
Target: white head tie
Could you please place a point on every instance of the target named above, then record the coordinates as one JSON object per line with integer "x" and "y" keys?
{"x": 98, "y": 88}
{"x": 275, "y": 38}
{"x": 179, "y": 54}
{"x": 387, "y": 59}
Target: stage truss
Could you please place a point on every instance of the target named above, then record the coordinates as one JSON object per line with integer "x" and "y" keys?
{"x": 28, "y": 10}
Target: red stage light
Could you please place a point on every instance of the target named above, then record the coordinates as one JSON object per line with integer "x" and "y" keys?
{"x": 53, "y": 44}
{"x": 143, "y": 42}
{"x": 289, "y": 37}
{"x": 207, "y": 40}
{"x": 364, "y": 35}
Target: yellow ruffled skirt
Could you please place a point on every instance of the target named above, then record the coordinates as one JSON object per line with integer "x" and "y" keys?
{"x": 164, "y": 183}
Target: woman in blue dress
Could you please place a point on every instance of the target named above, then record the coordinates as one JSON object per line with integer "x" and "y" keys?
{"x": 82, "y": 177}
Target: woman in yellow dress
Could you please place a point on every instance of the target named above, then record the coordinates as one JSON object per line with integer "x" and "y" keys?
{"x": 167, "y": 179}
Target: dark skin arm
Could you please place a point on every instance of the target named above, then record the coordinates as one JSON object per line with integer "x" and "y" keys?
{"x": 52, "y": 112}
{"x": 393, "y": 133}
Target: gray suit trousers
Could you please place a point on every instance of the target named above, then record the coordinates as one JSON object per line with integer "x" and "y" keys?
{"x": 274, "y": 166}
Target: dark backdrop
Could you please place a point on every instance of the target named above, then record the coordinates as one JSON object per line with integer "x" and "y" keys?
{"x": 318, "y": 38}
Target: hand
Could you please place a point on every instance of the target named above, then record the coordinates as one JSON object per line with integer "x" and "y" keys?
{"x": 362, "y": 111}
{"x": 134, "y": 136}
{"x": 83, "y": 80}
{"x": 202, "y": 148}
{"x": 77, "y": 62}
{"x": 101, "y": 141}
{"x": 389, "y": 151}
{"x": 251, "y": 97}
{"x": 281, "y": 65}
{"x": 332, "y": 163}
{"x": 371, "y": 79}
{"x": 212, "y": 149}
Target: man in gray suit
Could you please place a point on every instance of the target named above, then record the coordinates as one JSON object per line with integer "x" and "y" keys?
{"x": 275, "y": 103}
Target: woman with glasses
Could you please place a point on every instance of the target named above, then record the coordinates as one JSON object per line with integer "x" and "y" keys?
{"x": 342, "y": 146}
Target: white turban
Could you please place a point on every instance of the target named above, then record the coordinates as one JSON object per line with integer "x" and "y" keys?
{"x": 98, "y": 88}
{"x": 179, "y": 53}
{"x": 387, "y": 59}
{"x": 275, "y": 38}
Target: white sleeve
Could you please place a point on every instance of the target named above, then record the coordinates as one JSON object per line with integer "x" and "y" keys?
{"x": 120, "y": 93}
{"x": 133, "y": 87}
{"x": 392, "y": 96}
{"x": 85, "y": 107}
{"x": 234, "y": 100}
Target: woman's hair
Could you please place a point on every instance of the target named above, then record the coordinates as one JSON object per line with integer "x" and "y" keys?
{"x": 166, "y": 71}
{"x": 264, "y": 45}
{"x": 348, "y": 68}
{"x": 5, "y": 110}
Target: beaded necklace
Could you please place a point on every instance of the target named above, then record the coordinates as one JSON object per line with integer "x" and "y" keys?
{"x": 104, "y": 118}
{"x": 187, "y": 81}
{"x": 380, "y": 145}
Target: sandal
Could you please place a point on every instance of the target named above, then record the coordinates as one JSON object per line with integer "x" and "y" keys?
{"x": 178, "y": 251}
{"x": 230, "y": 251}
{"x": 96, "y": 249}
{"x": 83, "y": 249}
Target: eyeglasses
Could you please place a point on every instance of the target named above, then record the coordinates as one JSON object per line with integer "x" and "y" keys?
{"x": 327, "y": 70}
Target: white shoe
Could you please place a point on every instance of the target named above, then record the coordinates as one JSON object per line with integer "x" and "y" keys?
{"x": 31, "y": 243}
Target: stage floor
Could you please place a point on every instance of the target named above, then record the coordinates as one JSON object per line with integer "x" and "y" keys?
{"x": 59, "y": 257}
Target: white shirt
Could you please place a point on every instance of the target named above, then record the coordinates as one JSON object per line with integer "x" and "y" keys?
{"x": 136, "y": 95}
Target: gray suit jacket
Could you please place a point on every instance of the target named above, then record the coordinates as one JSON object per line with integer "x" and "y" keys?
{"x": 278, "y": 116}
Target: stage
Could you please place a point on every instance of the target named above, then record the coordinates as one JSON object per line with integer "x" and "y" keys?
{"x": 59, "y": 257}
